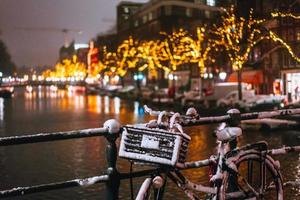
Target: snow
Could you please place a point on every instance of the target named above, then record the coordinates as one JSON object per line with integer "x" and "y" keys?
{"x": 228, "y": 133}
{"x": 233, "y": 111}
{"x": 112, "y": 125}
{"x": 150, "y": 142}
{"x": 92, "y": 180}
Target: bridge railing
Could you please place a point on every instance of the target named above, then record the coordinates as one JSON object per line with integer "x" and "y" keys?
{"x": 111, "y": 178}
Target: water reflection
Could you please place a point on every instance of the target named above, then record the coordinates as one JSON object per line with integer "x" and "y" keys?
{"x": 117, "y": 105}
{"x": 1, "y": 111}
{"x": 106, "y": 105}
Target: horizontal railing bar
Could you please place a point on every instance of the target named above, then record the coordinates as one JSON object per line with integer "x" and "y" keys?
{"x": 47, "y": 137}
{"x": 19, "y": 191}
{"x": 243, "y": 116}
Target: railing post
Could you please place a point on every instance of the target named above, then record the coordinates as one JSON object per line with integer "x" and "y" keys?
{"x": 112, "y": 186}
{"x": 235, "y": 121}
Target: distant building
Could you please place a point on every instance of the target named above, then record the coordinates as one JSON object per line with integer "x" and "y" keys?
{"x": 147, "y": 21}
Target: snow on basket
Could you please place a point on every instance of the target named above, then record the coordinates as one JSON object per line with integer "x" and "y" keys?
{"x": 156, "y": 146}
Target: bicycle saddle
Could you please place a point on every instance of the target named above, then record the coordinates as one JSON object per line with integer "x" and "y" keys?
{"x": 228, "y": 133}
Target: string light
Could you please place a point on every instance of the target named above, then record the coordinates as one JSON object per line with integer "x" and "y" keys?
{"x": 275, "y": 38}
{"x": 280, "y": 14}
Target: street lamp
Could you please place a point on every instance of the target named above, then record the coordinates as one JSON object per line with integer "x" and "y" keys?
{"x": 222, "y": 75}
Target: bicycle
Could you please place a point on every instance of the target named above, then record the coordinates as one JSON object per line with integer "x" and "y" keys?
{"x": 162, "y": 143}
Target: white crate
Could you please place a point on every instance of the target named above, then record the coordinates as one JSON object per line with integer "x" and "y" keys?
{"x": 156, "y": 146}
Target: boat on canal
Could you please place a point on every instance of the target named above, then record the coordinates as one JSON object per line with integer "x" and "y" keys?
{"x": 6, "y": 92}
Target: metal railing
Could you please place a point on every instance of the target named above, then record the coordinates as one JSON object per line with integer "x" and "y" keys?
{"x": 111, "y": 131}
{"x": 111, "y": 178}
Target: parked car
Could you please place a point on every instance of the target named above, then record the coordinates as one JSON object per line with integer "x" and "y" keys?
{"x": 111, "y": 90}
{"x": 147, "y": 93}
{"x": 209, "y": 96}
{"x": 126, "y": 91}
{"x": 295, "y": 104}
{"x": 232, "y": 99}
{"x": 191, "y": 97}
{"x": 250, "y": 100}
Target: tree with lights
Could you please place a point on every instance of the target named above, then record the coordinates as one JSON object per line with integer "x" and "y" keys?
{"x": 238, "y": 36}
{"x": 68, "y": 68}
{"x": 149, "y": 58}
{"x": 201, "y": 47}
{"x": 127, "y": 56}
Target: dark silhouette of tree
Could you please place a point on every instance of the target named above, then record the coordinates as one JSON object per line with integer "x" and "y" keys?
{"x": 7, "y": 67}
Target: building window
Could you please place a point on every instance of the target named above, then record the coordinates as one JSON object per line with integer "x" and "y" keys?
{"x": 285, "y": 60}
{"x": 168, "y": 10}
{"x": 188, "y": 12}
{"x": 298, "y": 34}
{"x": 211, "y": 2}
{"x": 125, "y": 17}
{"x": 291, "y": 35}
{"x": 144, "y": 18}
{"x": 285, "y": 35}
{"x": 136, "y": 23}
{"x": 207, "y": 13}
{"x": 126, "y": 10}
{"x": 150, "y": 16}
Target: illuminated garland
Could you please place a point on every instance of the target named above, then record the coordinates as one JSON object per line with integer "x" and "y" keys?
{"x": 280, "y": 14}
{"x": 275, "y": 38}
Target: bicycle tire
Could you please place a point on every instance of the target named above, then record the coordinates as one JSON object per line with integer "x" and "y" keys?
{"x": 250, "y": 157}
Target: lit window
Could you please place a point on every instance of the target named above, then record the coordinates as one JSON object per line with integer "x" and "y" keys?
{"x": 207, "y": 13}
{"x": 188, "y": 12}
{"x": 150, "y": 16}
{"x": 298, "y": 35}
{"x": 144, "y": 18}
{"x": 136, "y": 23}
{"x": 168, "y": 10}
{"x": 211, "y": 2}
{"x": 126, "y": 9}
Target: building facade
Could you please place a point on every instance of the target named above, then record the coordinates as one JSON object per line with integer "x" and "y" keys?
{"x": 166, "y": 16}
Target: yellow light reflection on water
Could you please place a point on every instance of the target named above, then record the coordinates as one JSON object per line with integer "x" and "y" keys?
{"x": 79, "y": 102}
{"x": 106, "y": 105}
{"x": 117, "y": 103}
{"x": 1, "y": 110}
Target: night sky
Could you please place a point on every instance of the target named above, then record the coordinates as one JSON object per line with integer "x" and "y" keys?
{"x": 34, "y": 46}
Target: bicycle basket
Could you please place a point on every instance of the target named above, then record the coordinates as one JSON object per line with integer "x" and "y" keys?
{"x": 156, "y": 146}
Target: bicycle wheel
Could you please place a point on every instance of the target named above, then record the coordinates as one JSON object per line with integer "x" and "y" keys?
{"x": 258, "y": 177}
{"x": 152, "y": 188}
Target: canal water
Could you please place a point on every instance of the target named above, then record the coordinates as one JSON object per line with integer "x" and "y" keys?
{"x": 47, "y": 111}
